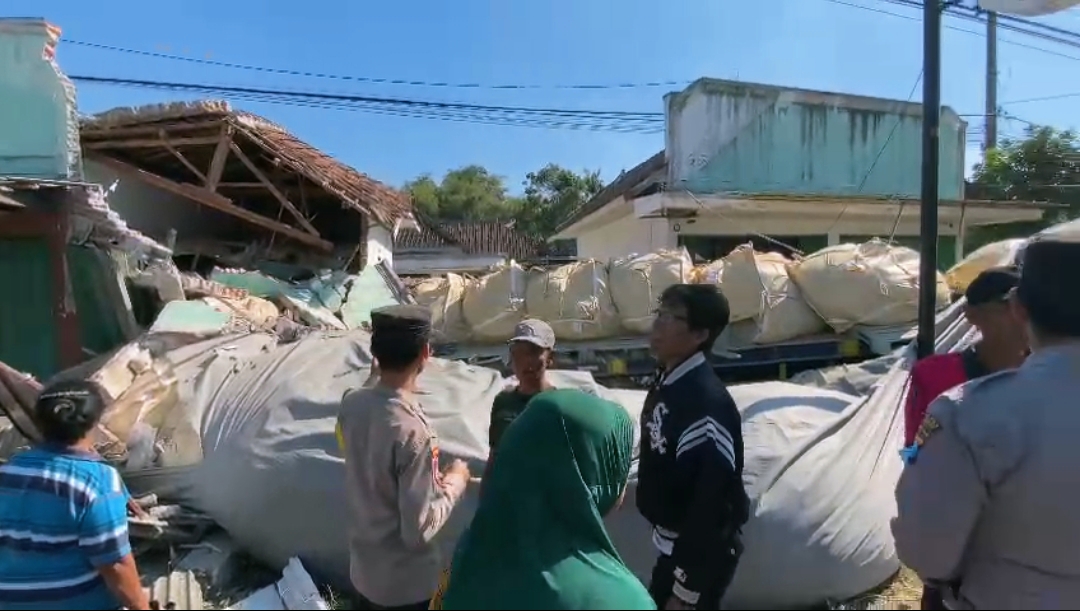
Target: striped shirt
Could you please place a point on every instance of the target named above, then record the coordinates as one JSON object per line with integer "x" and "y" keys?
{"x": 62, "y": 514}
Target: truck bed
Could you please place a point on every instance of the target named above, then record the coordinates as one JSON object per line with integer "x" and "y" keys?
{"x": 734, "y": 356}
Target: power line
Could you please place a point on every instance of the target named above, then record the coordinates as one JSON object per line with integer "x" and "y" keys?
{"x": 953, "y": 27}
{"x": 555, "y": 118}
{"x": 368, "y": 79}
{"x": 1046, "y": 98}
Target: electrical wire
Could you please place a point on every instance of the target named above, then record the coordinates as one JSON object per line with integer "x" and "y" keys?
{"x": 957, "y": 28}
{"x": 368, "y": 79}
{"x": 555, "y": 118}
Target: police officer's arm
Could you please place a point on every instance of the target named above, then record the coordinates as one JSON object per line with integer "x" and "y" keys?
{"x": 425, "y": 497}
{"x": 706, "y": 448}
{"x": 939, "y": 497}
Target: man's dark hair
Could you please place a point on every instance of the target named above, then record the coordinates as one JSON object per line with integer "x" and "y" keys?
{"x": 706, "y": 309}
{"x": 397, "y": 349}
{"x": 1050, "y": 317}
{"x": 1047, "y": 289}
{"x": 67, "y": 411}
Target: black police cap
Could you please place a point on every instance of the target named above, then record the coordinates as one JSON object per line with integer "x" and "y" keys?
{"x": 992, "y": 285}
{"x": 399, "y": 318}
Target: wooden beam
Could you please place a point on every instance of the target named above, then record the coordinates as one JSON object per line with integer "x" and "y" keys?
{"x": 212, "y": 200}
{"x": 168, "y": 145}
{"x": 221, "y": 153}
{"x": 306, "y": 224}
{"x": 92, "y": 132}
{"x": 241, "y": 185}
{"x": 149, "y": 143}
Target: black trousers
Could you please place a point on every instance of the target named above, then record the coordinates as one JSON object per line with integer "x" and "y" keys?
{"x": 663, "y": 581}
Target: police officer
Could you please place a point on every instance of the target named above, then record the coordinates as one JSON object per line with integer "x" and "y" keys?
{"x": 690, "y": 469}
{"x": 987, "y": 505}
{"x": 397, "y": 498}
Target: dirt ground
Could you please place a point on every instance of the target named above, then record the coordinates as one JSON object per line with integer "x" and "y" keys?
{"x": 904, "y": 591}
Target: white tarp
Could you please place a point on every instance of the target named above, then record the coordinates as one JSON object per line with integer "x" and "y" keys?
{"x": 821, "y": 465}
{"x": 1027, "y": 8}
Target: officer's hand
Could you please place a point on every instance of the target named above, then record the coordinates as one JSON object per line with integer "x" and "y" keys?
{"x": 459, "y": 468}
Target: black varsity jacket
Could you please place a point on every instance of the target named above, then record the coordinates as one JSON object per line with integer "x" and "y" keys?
{"x": 690, "y": 475}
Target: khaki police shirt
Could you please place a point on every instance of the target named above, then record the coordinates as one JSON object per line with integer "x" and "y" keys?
{"x": 992, "y": 501}
{"x": 397, "y": 500}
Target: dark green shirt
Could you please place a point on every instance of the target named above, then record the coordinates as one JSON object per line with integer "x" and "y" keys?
{"x": 506, "y": 407}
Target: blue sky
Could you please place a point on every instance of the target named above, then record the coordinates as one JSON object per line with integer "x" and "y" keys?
{"x": 817, "y": 44}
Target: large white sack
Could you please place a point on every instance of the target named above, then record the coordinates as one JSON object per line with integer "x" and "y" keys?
{"x": 990, "y": 255}
{"x": 820, "y": 469}
{"x": 575, "y": 299}
{"x": 738, "y": 277}
{"x": 637, "y": 281}
{"x": 758, "y": 288}
{"x": 872, "y": 283}
{"x": 494, "y": 304}
{"x": 444, "y": 297}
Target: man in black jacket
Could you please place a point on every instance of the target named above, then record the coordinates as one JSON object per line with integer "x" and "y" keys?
{"x": 690, "y": 469}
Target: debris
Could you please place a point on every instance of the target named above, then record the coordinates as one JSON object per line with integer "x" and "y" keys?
{"x": 215, "y": 561}
{"x": 295, "y": 590}
{"x": 177, "y": 590}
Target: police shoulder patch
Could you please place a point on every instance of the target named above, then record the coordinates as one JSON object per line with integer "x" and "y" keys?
{"x": 929, "y": 426}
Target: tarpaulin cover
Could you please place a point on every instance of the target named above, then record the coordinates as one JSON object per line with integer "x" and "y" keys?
{"x": 821, "y": 465}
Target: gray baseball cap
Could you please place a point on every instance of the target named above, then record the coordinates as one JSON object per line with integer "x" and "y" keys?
{"x": 535, "y": 332}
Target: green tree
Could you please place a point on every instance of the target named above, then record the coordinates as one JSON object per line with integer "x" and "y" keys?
{"x": 551, "y": 194}
{"x": 468, "y": 193}
{"x": 1043, "y": 165}
{"x": 472, "y": 193}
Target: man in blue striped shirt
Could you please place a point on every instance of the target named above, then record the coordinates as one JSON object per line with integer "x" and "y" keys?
{"x": 63, "y": 515}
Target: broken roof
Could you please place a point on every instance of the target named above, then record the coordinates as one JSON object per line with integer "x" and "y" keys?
{"x": 126, "y": 128}
{"x": 622, "y": 185}
{"x": 472, "y": 237}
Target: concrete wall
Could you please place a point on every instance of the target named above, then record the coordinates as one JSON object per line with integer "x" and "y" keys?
{"x": 625, "y": 236}
{"x": 380, "y": 246}
{"x": 39, "y": 131}
{"x": 724, "y": 136}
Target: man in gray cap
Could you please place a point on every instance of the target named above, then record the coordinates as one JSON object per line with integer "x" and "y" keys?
{"x": 987, "y": 503}
{"x": 530, "y": 356}
{"x": 397, "y": 498}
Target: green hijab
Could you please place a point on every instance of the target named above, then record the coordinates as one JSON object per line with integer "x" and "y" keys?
{"x": 538, "y": 540}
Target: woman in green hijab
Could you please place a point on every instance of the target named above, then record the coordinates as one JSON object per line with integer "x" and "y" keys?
{"x": 538, "y": 539}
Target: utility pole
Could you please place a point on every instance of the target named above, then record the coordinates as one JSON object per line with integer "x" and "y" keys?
{"x": 991, "y": 82}
{"x": 928, "y": 210}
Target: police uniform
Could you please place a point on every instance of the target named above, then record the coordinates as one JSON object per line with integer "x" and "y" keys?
{"x": 397, "y": 499}
{"x": 690, "y": 484}
{"x": 987, "y": 506}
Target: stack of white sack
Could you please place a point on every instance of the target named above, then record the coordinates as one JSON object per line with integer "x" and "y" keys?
{"x": 444, "y": 296}
{"x": 758, "y": 288}
{"x": 873, "y": 284}
{"x": 994, "y": 254}
{"x": 638, "y": 280}
{"x": 495, "y": 303}
{"x": 575, "y": 299}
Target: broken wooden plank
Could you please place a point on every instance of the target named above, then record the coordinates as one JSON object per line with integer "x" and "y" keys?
{"x": 221, "y": 153}
{"x": 215, "y": 201}
{"x": 147, "y": 143}
{"x": 273, "y": 189}
{"x": 184, "y": 160}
